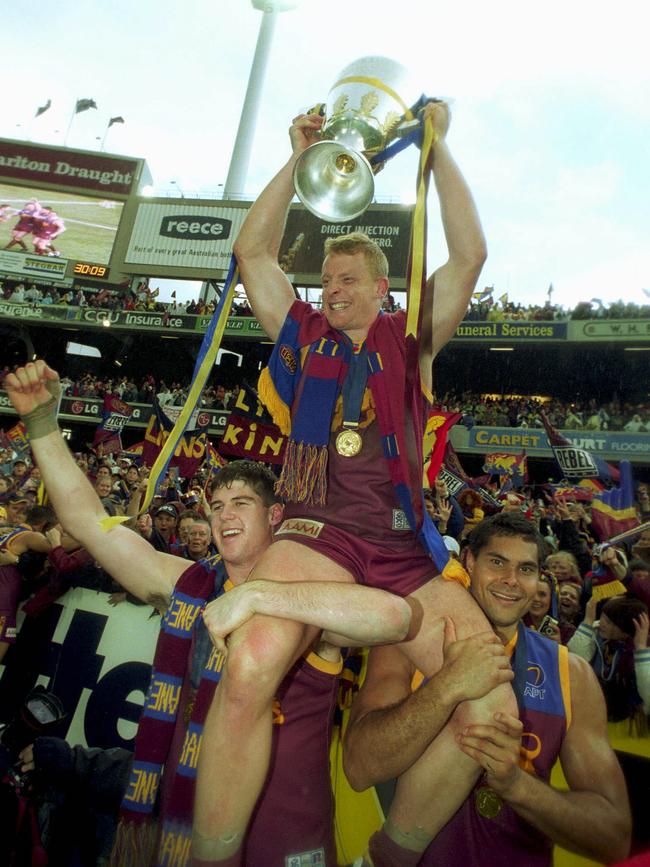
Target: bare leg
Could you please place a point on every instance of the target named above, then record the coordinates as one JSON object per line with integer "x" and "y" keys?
{"x": 432, "y": 790}
{"x": 236, "y": 746}
{"x": 4, "y": 647}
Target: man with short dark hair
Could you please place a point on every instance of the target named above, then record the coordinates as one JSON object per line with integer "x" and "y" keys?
{"x": 513, "y": 816}
{"x": 186, "y": 671}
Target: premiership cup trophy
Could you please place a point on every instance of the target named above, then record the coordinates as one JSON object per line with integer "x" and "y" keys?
{"x": 365, "y": 110}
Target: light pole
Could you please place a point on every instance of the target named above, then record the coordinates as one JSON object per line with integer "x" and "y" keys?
{"x": 245, "y": 133}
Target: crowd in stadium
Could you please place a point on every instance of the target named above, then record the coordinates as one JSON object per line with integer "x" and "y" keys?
{"x": 477, "y": 410}
{"x": 144, "y": 298}
{"x": 523, "y": 609}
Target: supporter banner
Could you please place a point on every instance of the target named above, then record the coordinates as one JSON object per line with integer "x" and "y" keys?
{"x": 190, "y": 451}
{"x": 454, "y": 484}
{"x": 530, "y": 332}
{"x": 38, "y": 268}
{"x": 250, "y": 432}
{"x": 177, "y": 234}
{"x": 115, "y": 415}
{"x": 610, "y": 329}
{"x": 66, "y": 168}
{"x": 77, "y": 649}
{"x": 301, "y": 251}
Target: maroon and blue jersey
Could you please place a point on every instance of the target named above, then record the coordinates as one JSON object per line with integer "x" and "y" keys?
{"x": 507, "y": 840}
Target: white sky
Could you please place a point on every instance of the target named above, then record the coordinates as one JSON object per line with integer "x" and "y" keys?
{"x": 551, "y": 110}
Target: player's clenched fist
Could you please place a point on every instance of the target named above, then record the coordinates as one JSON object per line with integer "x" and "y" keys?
{"x": 32, "y": 386}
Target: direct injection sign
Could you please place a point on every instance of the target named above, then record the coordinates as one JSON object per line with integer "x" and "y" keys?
{"x": 183, "y": 236}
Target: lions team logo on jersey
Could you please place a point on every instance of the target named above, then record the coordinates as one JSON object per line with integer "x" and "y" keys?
{"x": 535, "y": 680}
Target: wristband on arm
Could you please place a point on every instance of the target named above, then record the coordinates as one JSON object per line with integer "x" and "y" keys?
{"x": 41, "y": 421}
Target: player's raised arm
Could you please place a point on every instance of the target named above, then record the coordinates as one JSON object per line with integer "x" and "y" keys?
{"x": 125, "y": 555}
{"x": 454, "y": 281}
{"x": 257, "y": 246}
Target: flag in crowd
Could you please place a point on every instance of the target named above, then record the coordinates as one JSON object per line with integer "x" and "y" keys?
{"x": 18, "y": 438}
{"x": 583, "y": 492}
{"x": 483, "y": 294}
{"x": 250, "y": 432}
{"x": 437, "y": 428}
{"x": 43, "y": 108}
{"x": 115, "y": 415}
{"x": 575, "y": 462}
{"x": 118, "y": 119}
{"x": 212, "y": 456}
{"x": 84, "y": 105}
{"x": 512, "y": 466}
{"x": 613, "y": 511}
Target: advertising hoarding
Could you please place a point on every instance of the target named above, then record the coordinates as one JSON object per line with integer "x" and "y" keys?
{"x": 65, "y": 168}
{"x": 176, "y": 234}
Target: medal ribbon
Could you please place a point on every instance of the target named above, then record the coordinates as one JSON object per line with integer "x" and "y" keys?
{"x": 354, "y": 387}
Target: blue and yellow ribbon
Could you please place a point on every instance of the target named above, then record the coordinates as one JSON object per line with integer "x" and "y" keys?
{"x": 204, "y": 364}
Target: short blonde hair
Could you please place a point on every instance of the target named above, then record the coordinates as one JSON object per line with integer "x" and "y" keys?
{"x": 358, "y": 242}
{"x": 569, "y": 559}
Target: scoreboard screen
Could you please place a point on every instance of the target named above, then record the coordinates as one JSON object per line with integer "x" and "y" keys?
{"x": 84, "y": 227}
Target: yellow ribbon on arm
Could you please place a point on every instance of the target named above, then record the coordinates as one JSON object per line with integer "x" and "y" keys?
{"x": 417, "y": 276}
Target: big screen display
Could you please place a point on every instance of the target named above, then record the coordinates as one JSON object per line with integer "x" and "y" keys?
{"x": 29, "y": 214}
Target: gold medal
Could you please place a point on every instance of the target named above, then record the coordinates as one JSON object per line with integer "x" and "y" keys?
{"x": 348, "y": 443}
{"x": 488, "y": 803}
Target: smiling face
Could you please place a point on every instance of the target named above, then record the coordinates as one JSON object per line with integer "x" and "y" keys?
{"x": 103, "y": 486}
{"x": 561, "y": 567}
{"x": 504, "y": 580}
{"x": 351, "y": 295}
{"x": 242, "y": 525}
{"x": 541, "y": 601}
{"x": 569, "y": 601}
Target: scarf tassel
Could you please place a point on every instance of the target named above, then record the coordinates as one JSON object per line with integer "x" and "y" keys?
{"x": 135, "y": 844}
{"x": 269, "y": 396}
{"x": 304, "y": 474}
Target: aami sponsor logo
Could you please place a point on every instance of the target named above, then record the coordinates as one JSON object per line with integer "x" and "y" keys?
{"x": 196, "y": 227}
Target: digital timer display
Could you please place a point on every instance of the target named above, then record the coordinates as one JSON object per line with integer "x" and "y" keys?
{"x": 87, "y": 269}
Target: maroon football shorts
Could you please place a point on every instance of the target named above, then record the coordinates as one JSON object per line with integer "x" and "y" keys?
{"x": 400, "y": 565}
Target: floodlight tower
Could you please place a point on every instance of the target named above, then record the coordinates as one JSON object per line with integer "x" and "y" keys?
{"x": 244, "y": 141}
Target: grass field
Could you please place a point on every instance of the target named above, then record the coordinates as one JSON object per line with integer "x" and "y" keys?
{"x": 91, "y": 223}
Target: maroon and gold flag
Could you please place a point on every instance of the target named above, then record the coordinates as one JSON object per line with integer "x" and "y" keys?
{"x": 438, "y": 426}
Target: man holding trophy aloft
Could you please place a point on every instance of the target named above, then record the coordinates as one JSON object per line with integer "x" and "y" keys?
{"x": 351, "y": 389}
